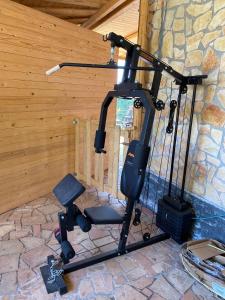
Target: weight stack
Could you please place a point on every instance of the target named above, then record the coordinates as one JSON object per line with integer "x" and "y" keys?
{"x": 176, "y": 220}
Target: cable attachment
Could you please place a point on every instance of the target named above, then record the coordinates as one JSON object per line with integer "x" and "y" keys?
{"x": 159, "y": 105}
{"x": 137, "y": 217}
{"x": 137, "y": 103}
{"x": 55, "y": 269}
{"x": 184, "y": 89}
{"x": 105, "y": 37}
{"x": 173, "y": 105}
{"x": 112, "y": 54}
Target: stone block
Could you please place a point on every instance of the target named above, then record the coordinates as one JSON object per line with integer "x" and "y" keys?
{"x": 210, "y": 61}
{"x": 49, "y": 209}
{"x": 174, "y": 3}
{"x": 212, "y": 77}
{"x": 221, "y": 173}
{"x": 188, "y": 22}
{"x": 178, "y": 25}
{"x": 147, "y": 292}
{"x": 32, "y": 220}
{"x": 179, "y": 38}
{"x": 200, "y": 156}
{"x": 219, "y": 44}
{"x": 212, "y": 195}
{"x": 136, "y": 274}
{"x": 85, "y": 289}
{"x": 202, "y": 22}
{"x": 102, "y": 283}
{"x": 126, "y": 263}
{"x": 189, "y": 295}
{"x": 214, "y": 161}
{"x": 196, "y": 187}
{"x": 164, "y": 289}
{"x": 169, "y": 19}
{"x": 202, "y": 292}
{"x": 37, "y": 230}
{"x": 217, "y": 135}
{"x": 142, "y": 282}
{"x": 8, "y": 284}
{"x": 193, "y": 41}
{"x": 167, "y": 47}
{"x": 156, "y": 19}
{"x": 177, "y": 65}
{"x": 97, "y": 233}
{"x": 11, "y": 247}
{"x": 103, "y": 241}
{"x": 49, "y": 226}
{"x": 9, "y": 263}
{"x": 113, "y": 267}
{"x": 180, "y": 12}
{"x": 157, "y": 297}
{"x": 46, "y": 234}
{"x": 219, "y": 185}
{"x": 37, "y": 256}
{"x": 180, "y": 279}
{"x": 221, "y": 82}
{"x": 210, "y": 92}
{"x": 179, "y": 54}
{"x": 25, "y": 276}
{"x": 128, "y": 292}
{"x": 161, "y": 267}
{"x": 207, "y": 145}
{"x": 18, "y": 234}
{"x": 196, "y": 10}
{"x": 217, "y": 20}
{"x": 32, "y": 242}
{"x": 194, "y": 58}
{"x": 210, "y": 37}
{"x": 213, "y": 115}
{"x": 4, "y": 229}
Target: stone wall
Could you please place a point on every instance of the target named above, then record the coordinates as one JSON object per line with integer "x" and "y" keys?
{"x": 190, "y": 36}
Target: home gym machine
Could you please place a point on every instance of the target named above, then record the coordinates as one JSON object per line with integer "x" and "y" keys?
{"x": 133, "y": 173}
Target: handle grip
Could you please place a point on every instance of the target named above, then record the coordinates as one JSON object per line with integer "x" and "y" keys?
{"x": 52, "y": 70}
{"x": 173, "y": 105}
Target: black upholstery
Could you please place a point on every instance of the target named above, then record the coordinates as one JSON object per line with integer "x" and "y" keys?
{"x": 103, "y": 215}
{"x": 133, "y": 173}
{"x": 68, "y": 190}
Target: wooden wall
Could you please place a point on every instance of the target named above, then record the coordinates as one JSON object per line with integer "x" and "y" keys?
{"x": 36, "y": 112}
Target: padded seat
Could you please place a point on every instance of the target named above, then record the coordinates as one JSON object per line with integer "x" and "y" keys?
{"x": 68, "y": 190}
{"x": 103, "y": 215}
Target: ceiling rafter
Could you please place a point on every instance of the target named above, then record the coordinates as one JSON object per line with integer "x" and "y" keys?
{"x": 110, "y": 8}
{"x": 63, "y": 3}
{"x": 67, "y": 12}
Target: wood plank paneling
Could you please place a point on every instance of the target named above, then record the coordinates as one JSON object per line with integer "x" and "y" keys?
{"x": 75, "y": 11}
{"x": 37, "y": 112}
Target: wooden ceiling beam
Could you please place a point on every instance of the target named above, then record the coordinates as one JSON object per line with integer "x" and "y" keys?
{"x": 132, "y": 36}
{"x": 71, "y": 3}
{"x": 67, "y": 12}
{"x": 76, "y": 20}
{"x": 109, "y": 9}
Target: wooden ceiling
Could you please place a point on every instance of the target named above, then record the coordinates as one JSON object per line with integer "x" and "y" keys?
{"x": 87, "y": 13}
{"x": 124, "y": 22}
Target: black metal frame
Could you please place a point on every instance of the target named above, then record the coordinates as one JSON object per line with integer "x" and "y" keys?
{"x": 128, "y": 88}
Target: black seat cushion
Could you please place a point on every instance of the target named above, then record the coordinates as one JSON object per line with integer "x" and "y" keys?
{"x": 68, "y": 190}
{"x": 103, "y": 215}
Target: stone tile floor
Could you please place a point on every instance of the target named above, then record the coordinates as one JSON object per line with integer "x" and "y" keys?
{"x": 26, "y": 238}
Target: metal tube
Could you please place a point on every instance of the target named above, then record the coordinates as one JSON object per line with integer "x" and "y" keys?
{"x": 108, "y": 255}
{"x": 188, "y": 140}
{"x": 175, "y": 139}
{"x": 107, "y": 66}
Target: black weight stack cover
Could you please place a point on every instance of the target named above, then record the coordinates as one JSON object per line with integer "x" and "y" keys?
{"x": 173, "y": 220}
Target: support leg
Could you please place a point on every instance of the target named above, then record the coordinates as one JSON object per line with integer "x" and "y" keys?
{"x": 126, "y": 226}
